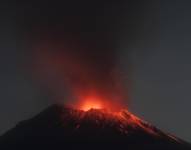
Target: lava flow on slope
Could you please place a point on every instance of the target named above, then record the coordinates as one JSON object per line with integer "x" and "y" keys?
{"x": 122, "y": 128}
{"x": 123, "y": 122}
{"x": 70, "y": 128}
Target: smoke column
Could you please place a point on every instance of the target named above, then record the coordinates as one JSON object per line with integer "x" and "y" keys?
{"x": 74, "y": 46}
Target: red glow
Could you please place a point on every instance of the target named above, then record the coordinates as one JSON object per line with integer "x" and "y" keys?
{"x": 96, "y": 102}
{"x": 91, "y": 104}
{"x": 90, "y": 80}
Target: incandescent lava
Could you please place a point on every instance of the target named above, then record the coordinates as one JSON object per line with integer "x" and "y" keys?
{"x": 122, "y": 122}
{"x": 68, "y": 128}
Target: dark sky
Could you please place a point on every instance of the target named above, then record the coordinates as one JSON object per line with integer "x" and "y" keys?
{"x": 152, "y": 41}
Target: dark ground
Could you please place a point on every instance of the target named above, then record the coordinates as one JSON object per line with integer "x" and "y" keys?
{"x": 94, "y": 129}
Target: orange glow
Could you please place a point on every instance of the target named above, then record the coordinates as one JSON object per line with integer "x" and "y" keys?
{"x": 94, "y": 101}
{"x": 91, "y": 103}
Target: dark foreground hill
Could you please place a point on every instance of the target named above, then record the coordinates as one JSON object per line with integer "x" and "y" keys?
{"x": 67, "y": 128}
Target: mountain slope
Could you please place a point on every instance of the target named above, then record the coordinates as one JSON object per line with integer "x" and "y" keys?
{"x": 67, "y": 128}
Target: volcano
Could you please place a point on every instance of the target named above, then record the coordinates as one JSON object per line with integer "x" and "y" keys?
{"x": 68, "y": 128}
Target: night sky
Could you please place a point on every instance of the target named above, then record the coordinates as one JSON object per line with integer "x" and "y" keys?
{"x": 151, "y": 43}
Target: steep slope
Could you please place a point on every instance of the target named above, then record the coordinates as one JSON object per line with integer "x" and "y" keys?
{"x": 67, "y": 128}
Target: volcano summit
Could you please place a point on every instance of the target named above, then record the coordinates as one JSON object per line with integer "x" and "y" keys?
{"x": 68, "y": 128}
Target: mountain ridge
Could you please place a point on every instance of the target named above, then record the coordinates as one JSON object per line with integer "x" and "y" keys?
{"x": 67, "y": 127}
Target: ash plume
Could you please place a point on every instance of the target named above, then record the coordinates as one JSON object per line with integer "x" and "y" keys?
{"x": 75, "y": 44}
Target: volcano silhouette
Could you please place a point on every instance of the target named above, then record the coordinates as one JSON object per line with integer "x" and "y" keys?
{"x": 67, "y": 128}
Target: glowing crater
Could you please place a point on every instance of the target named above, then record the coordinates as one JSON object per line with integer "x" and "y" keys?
{"x": 91, "y": 103}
